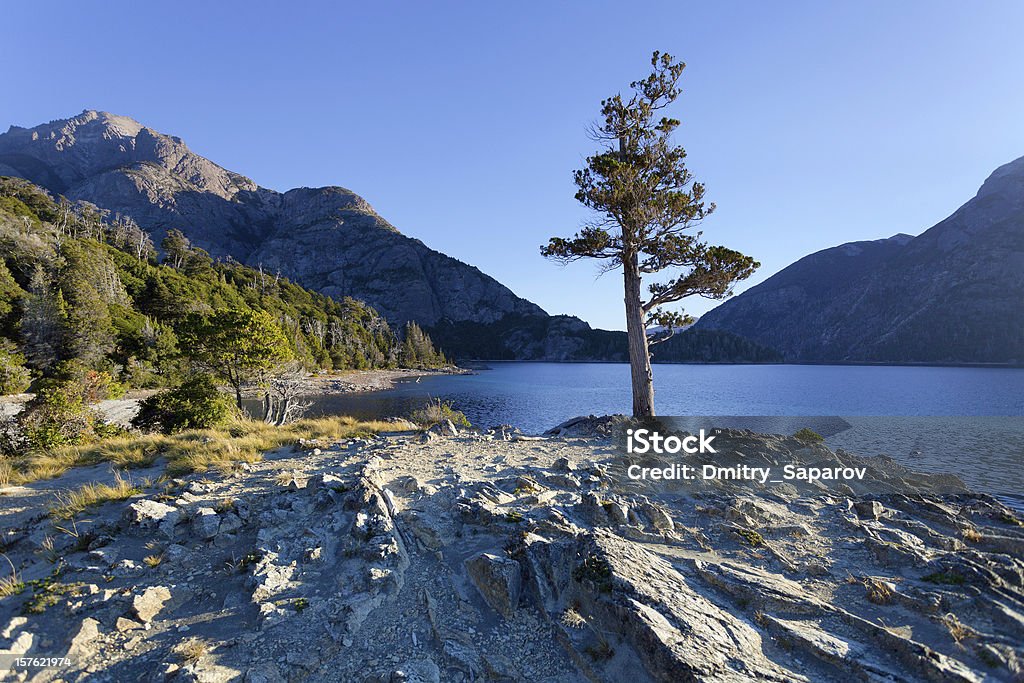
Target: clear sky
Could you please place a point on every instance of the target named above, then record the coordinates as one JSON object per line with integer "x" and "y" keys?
{"x": 812, "y": 123}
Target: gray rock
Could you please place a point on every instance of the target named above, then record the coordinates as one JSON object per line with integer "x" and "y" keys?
{"x": 148, "y": 513}
{"x": 150, "y": 602}
{"x": 205, "y": 523}
{"x": 498, "y": 579}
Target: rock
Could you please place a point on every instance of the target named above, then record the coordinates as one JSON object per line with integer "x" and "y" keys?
{"x": 422, "y": 671}
{"x": 498, "y": 579}
{"x": 444, "y": 428}
{"x": 229, "y": 523}
{"x": 869, "y": 509}
{"x": 122, "y": 624}
{"x": 150, "y": 602}
{"x": 83, "y": 643}
{"x": 205, "y": 523}
{"x": 564, "y": 465}
{"x": 148, "y": 513}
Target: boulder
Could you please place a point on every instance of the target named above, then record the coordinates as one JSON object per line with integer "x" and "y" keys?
{"x": 149, "y": 513}
{"x": 149, "y": 603}
{"x": 83, "y": 643}
{"x": 205, "y": 523}
{"x": 498, "y": 580}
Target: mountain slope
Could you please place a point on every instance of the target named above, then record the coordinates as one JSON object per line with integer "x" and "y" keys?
{"x": 953, "y": 294}
{"x": 328, "y": 238}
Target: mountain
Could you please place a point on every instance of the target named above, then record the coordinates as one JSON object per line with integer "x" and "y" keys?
{"x": 327, "y": 239}
{"x": 954, "y": 294}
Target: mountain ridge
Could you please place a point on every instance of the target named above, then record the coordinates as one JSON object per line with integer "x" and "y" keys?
{"x": 952, "y": 294}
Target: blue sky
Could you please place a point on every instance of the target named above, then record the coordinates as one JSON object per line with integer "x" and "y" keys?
{"x": 812, "y": 123}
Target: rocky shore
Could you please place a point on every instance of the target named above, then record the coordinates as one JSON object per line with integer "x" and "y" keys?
{"x": 448, "y": 556}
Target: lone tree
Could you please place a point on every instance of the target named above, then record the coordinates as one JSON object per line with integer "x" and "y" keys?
{"x": 645, "y": 200}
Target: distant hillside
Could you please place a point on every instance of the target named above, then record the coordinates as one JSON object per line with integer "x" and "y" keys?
{"x": 78, "y": 287}
{"x": 954, "y": 294}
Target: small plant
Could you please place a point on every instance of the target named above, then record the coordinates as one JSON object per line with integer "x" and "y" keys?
{"x": 72, "y": 503}
{"x": 300, "y": 604}
{"x": 191, "y": 651}
{"x": 808, "y": 435}
{"x": 945, "y": 578}
{"x": 957, "y": 629}
{"x": 437, "y": 411}
{"x": 514, "y": 517}
{"x": 10, "y": 584}
{"x": 225, "y": 505}
{"x": 601, "y": 651}
{"x": 879, "y": 592}
{"x": 752, "y": 538}
{"x": 6, "y": 473}
{"x": 47, "y": 548}
{"x": 973, "y": 536}
{"x": 47, "y": 592}
{"x": 596, "y": 570}
{"x": 153, "y": 561}
{"x": 571, "y": 618}
{"x": 1010, "y": 518}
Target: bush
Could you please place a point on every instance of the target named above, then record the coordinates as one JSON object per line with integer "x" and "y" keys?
{"x": 195, "y": 404}
{"x": 808, "y": 435}
{"x": 58, "y": 416}
{"x": 437, "y": 411}
{"x": 14, "y": 376}
{"x": 93, "y": 385}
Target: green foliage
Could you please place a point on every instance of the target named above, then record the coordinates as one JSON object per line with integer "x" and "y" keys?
{"x": 808, "y": 435}
{"x": 58, "y": 416}
{"x": 235, "y": 344}
{"x": 437, "y": 411}
{"x": 14, "y": 376}
{"x": 418, "y": 350}
{"x": 596, "y": 570}
{"x": 79, "y": 285}
{"x": 195, "y": 404}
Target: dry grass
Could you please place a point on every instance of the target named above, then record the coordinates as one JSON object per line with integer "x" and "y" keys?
{"x": 200, "y": 450}
{"x": 72, "y": 503}
{"x": 192, "y": 650}
{"x": 6, "y": 473}
{"x": 153, "y": 561}
{"x": 879, "y": 592}
{"x": 12, "y": 583}
{"x": 957, "y": 629}
{"x": 973, "y": 536}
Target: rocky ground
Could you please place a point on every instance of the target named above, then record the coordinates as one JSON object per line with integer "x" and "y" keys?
{"x": 498, "y": 557}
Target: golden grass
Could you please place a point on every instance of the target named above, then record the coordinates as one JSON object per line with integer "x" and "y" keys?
{"x": 72, "y": 503}
{"x": 11, "y": 584}
{"x": 191, "y": 650}
{"x": 6, "y": 473}
{"x": 199, "y": 450}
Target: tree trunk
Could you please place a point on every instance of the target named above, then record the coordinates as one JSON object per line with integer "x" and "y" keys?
{"x": 639, "y": 353}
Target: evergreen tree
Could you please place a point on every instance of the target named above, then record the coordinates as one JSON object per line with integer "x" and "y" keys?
{"x": 646, "y": 199}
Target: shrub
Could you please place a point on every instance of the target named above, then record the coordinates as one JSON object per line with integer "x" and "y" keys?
{"x": 437, "y": 411}
{"x": 195, "y": 404}
{"x": 14, "y": 376}
{"x": 58, "y": 416}
{"x": 808, "y": 435}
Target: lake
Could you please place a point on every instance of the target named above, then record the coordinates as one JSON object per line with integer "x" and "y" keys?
{"x": 890, "y": 409}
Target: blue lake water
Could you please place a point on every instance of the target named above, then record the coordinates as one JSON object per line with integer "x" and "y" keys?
{"x": 536, "y": 396}
{"x": 902, "y": 402}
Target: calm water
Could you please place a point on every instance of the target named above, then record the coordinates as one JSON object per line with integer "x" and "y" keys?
{"x": 537, "y": 396}
{"x": 986, "y": 452}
